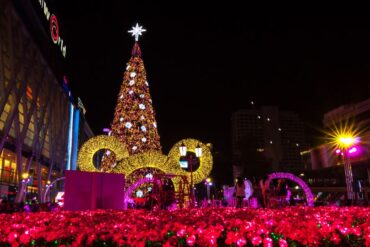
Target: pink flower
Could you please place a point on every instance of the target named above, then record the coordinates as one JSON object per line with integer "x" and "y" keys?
{"x": 283, "y": 243}
{"x": 230, "y": 238}
{"x": 335, "y": 239}
{"x": 256, "y": 240}
{"x": 344, "y": 230}
{"x": 24, "y": 239}
{"x": 201, "y": 227}
{"x": 241, "y": 241}
{"x": 248, "y": 226}
{"x": 367, "y": 239}
{"x": 190, "y": 240}
{"x": 267, "y": 242}
{"x": 181, "y": 233}
{"x": 12, "y": 237}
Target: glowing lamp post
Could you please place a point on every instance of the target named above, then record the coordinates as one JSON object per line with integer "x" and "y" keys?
{"x": 182, "y": 150}
{"x": 25, "y": 181}
{"x": 191, "y": 160}
{"x": 198, "y": 151}
{"x": 48, "y": 186}
{"x": 208, "y": 183}
{"x": 344, "y": 143}
{"x": 24, "y": 177}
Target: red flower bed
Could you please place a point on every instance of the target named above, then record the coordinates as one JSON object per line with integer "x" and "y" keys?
{"x": 294, "y": 226}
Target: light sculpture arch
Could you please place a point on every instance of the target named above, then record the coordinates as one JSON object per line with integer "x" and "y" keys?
{"x": 299, "y": 181}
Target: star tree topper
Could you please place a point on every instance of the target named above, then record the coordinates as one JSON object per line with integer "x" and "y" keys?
{"x": 137, "y": 31}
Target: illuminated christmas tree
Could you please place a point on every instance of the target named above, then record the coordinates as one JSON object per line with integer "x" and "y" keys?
{"x": 134, "y": 117}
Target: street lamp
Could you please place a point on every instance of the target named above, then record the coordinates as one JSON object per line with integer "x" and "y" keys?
{"x": 182, "y": 150}
{"x": 25, "y": 181}
{"x": 344, "y": 142}
{"x": 24, "y": 177}
{"x": 208, "y": 184}
{"x": 191, "y": 160}
{"x": 48, "y": 185}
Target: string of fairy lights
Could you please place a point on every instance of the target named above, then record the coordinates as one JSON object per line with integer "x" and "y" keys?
{"x": 127, "y": 164}
{"x": 134, "y": 117}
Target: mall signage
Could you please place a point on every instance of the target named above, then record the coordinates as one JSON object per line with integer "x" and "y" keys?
{"x": 54, "y": 27}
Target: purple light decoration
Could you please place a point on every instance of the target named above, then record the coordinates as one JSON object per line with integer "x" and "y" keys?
{"x": 337, "y": 151}
{"x": 300, "y": 182}
{"x": 354, "y": 151}
{"x": 51, "y": 185}
{"x": 106, "y": 130}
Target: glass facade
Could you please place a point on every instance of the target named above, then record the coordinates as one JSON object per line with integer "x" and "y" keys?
{"x": 9, "y": 173}
{"x": 31, "y": 128}
{"x": 8, "y": 167}
{"x": 33, "y": 104}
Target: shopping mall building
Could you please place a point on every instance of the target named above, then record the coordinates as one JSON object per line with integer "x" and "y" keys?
{"x": 41, "y": 124}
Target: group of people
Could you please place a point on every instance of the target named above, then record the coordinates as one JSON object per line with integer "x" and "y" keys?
{"x": 239, "y": 192}
{"x": 161, "y": 196}
{"x": 11, "y": 207}
{"x": 265, "y": 195}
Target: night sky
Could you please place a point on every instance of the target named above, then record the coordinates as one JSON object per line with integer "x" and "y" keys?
{"x": 202, "y": 68}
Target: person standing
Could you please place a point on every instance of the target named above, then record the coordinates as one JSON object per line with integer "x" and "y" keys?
{"x": 239, "y": 192}
{"x": 264, "y": 185}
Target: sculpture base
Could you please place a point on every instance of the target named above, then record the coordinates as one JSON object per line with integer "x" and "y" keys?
{"x": 93, "y": 190}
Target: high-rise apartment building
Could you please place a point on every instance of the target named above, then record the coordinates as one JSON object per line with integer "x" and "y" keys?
{"x": 267, "y": 135}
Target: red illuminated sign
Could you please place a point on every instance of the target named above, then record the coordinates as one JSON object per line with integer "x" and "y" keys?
{"x": 54, "y": 28}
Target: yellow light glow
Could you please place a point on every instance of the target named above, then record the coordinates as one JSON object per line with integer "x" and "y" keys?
{"x": 25, "y": 175}
{"x": 150, "y": 159}
{"x": 208, "y": 180}
{"x": 206, "y": 160}
{"x": 343, "y": 136}
{"x": 89, "y": 148}
{"x": 346, "y": 141}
